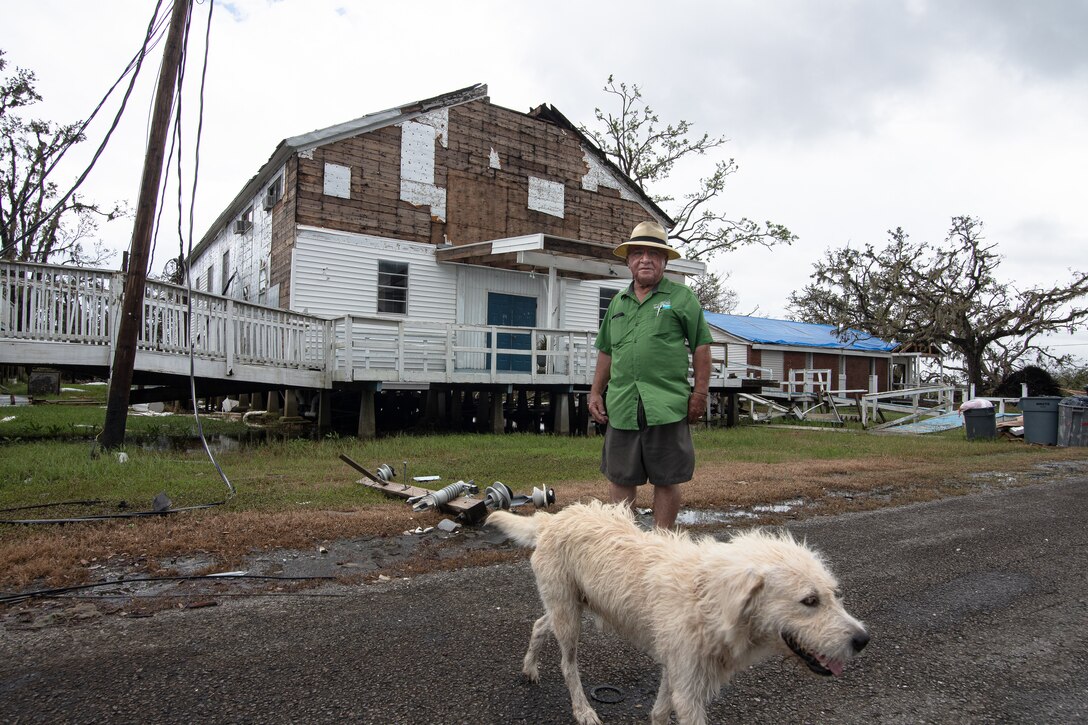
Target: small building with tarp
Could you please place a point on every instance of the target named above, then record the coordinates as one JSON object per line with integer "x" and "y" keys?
{"x": 809, "y": 357}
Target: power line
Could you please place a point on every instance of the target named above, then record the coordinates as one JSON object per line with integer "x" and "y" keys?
{"x": 154, "y": 34}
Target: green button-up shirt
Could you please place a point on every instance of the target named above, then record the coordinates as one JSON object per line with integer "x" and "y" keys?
{"x": 649, "y": 356}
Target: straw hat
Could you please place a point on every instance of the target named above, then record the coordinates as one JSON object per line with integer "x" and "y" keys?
{"x": 647, "y": 234}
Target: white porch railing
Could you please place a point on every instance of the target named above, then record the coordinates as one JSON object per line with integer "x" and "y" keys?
{"x": 41, "y": 305}
{"x": 416, "y": 351}
{"x": 50, "y": 304}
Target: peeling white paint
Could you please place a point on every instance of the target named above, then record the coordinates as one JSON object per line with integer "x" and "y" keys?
{"x": 420, "y": 194}
{"x": 337, "y": 181}
{"x": 417, "y": 151}
{"x": 306, "y": 154}
{"x": 439, "y": 120}
{"x": 546, "y": 196}
{"x": 494, "y": 159}
{"x": 599, "y": 175}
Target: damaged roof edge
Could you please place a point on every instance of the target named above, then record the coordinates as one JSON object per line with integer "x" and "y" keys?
{"x": 552, "y": 114}
{"x": 337, "y": 132}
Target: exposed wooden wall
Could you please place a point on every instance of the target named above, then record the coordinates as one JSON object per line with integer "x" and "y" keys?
{"x": 482, "y": 203}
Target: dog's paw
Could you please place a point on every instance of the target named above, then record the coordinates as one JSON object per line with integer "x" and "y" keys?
{"x": 588, "y": 716}
{"x": 532, "y": 674}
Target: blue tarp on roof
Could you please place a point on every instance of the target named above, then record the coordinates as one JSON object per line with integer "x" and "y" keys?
{"x": 766, "y": 331}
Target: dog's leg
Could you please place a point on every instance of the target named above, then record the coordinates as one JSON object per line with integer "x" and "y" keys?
{"x": 663, "y": 704}
{"x": 536, "y": 640}
{"x": 566, "y": 622}
{"x": 688, "y": 694}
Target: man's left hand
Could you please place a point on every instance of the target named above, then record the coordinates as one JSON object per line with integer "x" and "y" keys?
{"x": 696, "y": 407}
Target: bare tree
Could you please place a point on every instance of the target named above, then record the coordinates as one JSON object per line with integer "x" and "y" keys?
{"x": 633, "y": 137}
{"x": 944, "y": 295}
{"x": 36, "y": 223}
{"x": 713, "y": 294}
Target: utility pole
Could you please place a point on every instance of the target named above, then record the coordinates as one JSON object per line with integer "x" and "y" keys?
{"x": 124, "y": 352}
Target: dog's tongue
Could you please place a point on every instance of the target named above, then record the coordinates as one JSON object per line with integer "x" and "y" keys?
{"x": 835, "y": 666}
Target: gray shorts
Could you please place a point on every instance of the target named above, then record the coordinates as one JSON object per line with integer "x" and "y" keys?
{"x": 663, "y": 454}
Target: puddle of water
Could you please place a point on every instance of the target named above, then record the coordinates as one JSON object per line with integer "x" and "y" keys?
{"x": 695, "y": 517}
{"x": 691, "y": 517}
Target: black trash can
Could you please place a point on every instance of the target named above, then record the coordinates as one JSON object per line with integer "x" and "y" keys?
{"x": 980, "y": 423}
{"x": 1073, "y": 421}
{"x": 1041, "y": 419}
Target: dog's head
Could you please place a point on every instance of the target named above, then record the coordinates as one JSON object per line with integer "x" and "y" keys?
{"x": 789, "y": 600}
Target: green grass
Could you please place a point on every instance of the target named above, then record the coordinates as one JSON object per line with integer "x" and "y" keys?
{"x": 79, "y": 413}
{"x": 284, "y": 474}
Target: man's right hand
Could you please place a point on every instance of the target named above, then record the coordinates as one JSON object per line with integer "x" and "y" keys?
{"x": 596, "y": 408}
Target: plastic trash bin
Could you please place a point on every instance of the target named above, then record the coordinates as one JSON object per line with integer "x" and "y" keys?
{"x": 980, "y": 423}
{"x": 1073, "y": 421}
{"x": 1041, "y": 419}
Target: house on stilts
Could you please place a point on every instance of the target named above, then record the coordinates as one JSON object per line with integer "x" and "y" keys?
{"x": 469, "y": 247}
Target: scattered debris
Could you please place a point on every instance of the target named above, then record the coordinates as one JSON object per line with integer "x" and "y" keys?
{"x": 161, "y": 502}
{"x": 458, "y": 498}
{"x": 448, "y": 525}
{"x": 436, "y": 499}
{"x": 122, "y": 457}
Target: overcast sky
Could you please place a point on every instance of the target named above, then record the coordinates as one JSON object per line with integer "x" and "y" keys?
{"x": 846, "y": 118}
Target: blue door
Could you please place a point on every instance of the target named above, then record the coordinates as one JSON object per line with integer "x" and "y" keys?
{"x": 511, "y": 311}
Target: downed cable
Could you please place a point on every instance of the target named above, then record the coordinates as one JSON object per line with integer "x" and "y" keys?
{"x": 43, "y": 593}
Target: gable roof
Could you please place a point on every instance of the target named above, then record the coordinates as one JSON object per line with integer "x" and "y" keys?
{"x": 390, "y": 117}
{"x": 767, "y": 331}
{"x": 313, "y": 139}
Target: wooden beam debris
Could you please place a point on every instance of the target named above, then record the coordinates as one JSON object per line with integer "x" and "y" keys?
{"x": 467, "y": 508}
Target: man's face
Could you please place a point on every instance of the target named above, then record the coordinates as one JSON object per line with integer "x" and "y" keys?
{"x": 647, "y": 265}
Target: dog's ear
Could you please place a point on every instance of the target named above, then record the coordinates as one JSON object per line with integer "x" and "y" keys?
{"x": 754, "y": 583}
{"x": 728, "y": 596}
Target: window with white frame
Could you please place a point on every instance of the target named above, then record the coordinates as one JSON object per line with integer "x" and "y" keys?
{"x": 393, "y": 287}
{"x": 606, "y": 298}
{"x": 226, "y": 271}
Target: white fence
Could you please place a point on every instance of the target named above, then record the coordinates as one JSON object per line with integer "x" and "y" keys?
{"x": 42, "y": 305}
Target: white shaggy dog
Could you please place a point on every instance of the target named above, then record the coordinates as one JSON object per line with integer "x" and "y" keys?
{"x": 703, "y": 609}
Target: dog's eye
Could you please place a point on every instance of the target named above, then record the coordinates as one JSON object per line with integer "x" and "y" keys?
{"x": 811, "y": 601}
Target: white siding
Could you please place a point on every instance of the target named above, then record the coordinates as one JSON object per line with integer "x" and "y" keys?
{"x": 773, "y": 359}
{"x": 476, "y": 282}
{"x": 737, "y": 355}
{"x": 580, "y": 307}
{"x": 337, "y": 273}
{"x": 249, "y": 255}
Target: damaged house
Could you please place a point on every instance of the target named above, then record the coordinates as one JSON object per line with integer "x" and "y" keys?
{"x": 450, "y": 215}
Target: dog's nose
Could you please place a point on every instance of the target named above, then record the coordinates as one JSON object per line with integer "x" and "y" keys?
{"x": 860, "y": 640}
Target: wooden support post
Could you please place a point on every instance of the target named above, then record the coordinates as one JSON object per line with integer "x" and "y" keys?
{"x": 432, "y": 411}
{"x": 273, "y": 402}
{"x": 290, "y": 404}
{"x": 483, "y": 412}
{"x": 368, "y": 425}
{"x": 324, "y": 411}
{"x": 496, "y": 421}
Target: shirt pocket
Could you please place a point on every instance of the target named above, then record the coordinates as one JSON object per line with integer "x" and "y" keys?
{"x": 623, "y": 330}
{"x": 666, "y": 322}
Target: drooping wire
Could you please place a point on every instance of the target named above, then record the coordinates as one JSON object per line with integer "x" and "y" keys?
{"x": 187, "y": 258}
{"x": 155, "y": 31}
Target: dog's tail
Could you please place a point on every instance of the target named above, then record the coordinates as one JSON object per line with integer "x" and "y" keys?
{"x": 522, "y": 529}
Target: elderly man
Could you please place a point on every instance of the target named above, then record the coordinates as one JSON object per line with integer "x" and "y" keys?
{"x": 642, "y": 359}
